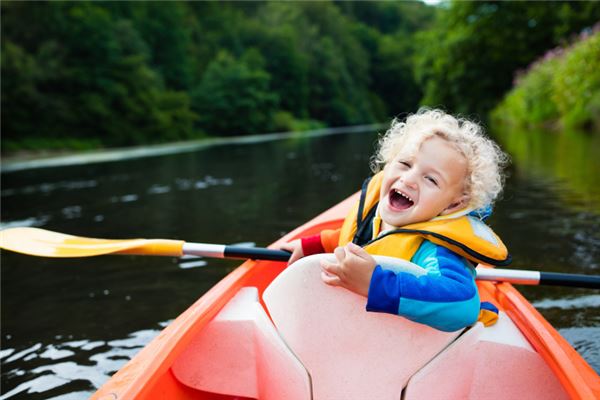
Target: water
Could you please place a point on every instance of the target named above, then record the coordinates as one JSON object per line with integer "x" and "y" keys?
{"x": 68, "y": 324}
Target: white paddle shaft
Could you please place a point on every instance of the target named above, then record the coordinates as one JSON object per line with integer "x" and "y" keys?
{"x": 204, "y": 250}
{"x": 521, "y": 277}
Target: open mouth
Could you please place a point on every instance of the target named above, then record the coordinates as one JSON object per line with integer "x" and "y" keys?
{"x": 400, "y": 201}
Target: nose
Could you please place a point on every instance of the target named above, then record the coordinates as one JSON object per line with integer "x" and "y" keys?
{"x": 409, "y": 178}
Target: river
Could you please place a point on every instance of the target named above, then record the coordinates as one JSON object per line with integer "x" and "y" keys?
{"x": 68, "y": 324}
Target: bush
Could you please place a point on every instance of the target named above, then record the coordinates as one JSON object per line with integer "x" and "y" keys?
{"x": 284, "y": 121}
{"x": 234, "y": 97}
{"x": 563, "y": 88}
{"x": 576, "y": 85}
{"x": 55, "y": 144}
{"x": 529, "y": 103}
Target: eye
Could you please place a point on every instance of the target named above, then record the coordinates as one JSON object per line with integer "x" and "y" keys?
{"x": 432, "y": 180}
{"x": 405, "y": 164}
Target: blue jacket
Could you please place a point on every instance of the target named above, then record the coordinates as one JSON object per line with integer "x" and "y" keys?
{"x": 445, "y": 298}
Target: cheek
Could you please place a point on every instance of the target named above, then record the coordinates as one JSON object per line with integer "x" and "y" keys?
{"x": 432, "y": 200}
{"x": 392, "y": 171}
{"x": 382, "y": 193}
{"x": 387, "y": 179}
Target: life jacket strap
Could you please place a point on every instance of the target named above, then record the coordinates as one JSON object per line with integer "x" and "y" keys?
{"x": 364, "y": 226}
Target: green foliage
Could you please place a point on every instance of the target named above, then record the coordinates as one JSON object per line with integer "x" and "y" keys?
{"x": 53, "y": 144}
{"x": 234, "y": 97}
{"x": 141, "y": 72}
{"x": 166, "y": 30}
{"x": 20, "y": 96}
{"x": 563, "y": 89}
{"x": 467, "y": 60}
{"x": 393, "y": 73}
{"x": 284, "y": 121}
{"x": 531, "y": 99}
{"x": 386, "y": 31}
{"x": 89, "y": 80}
{"x": 576, "y": 85}
{"x": 285, "y": 62}
{"x": 389, "y": 17}
{"x": 330, "y": 73}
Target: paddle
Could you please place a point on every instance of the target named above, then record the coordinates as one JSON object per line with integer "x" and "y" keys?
{"x": 44, "y": 243}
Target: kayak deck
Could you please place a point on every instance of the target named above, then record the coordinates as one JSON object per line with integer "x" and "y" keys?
{"x": 225, "y": 346}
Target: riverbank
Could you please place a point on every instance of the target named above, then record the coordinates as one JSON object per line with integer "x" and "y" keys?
{"x": 561, "y": 90}
{"x": 56, "y": 158}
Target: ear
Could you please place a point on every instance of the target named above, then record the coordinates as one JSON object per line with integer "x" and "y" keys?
{"x": 458, "y": 204}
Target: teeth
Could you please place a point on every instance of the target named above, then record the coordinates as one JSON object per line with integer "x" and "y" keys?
{"x": 403, "y": 195}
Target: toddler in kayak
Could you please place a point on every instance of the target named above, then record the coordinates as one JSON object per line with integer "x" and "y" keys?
{"x": 435, "y": 179}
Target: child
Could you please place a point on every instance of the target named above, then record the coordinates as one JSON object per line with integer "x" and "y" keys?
{"x": 425, "y": 206}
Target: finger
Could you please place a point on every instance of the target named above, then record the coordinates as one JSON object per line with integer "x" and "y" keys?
{"x": 340, "y": 253}
{"x": 330, "y": 268}
{"x": 356, "y": 250}
{"x": 293, "y": 243}
{"x": 294, "y": 257}
{"x": 360, "y": 253}
{"x": 287, "y": 247}
{"x": 330, "y": 279}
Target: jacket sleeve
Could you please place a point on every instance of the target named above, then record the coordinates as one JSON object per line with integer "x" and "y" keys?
{"x": 324, "y": 242}
{"x": 330, "y": 239}
{"x": 445, "y": 298}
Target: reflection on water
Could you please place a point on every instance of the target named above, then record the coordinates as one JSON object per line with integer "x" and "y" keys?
{"x": 544, "y": 230}
{"x": 77, "y": 367}
{"x": 578, "y": 320}
{"x": 571, "y": 158}
{"x": 550, "y": 219}
{"x": 585, "y": 341}
{"x": 67, "y": 324}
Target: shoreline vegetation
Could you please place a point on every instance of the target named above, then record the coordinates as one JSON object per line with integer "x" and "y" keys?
{"x": 100, "y": 74}
{"x": 559, "y": 91}
{"x": 550, "y": 121}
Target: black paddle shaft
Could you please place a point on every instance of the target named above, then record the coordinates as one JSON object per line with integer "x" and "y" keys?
{"x": 546, "y": 278}
{"x": 256, "y": 253}
{"x": 573, "y": 280}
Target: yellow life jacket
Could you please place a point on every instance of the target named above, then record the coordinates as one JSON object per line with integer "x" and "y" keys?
{"x": 465, "y": 235}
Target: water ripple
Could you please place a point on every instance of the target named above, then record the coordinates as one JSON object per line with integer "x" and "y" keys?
{"x": 206, "y": 182}
{"x": 159, "y": 189}
{"x": 581, "y": 338}
{"x": 42, "y": 368}
{"x": 128, "y": 198}
{"x": 569, "y": 303}
{"x": 32, "y": 221}
{"x": 47, "y": 188}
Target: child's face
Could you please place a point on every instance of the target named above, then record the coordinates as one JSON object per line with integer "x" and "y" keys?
{"x": 424, "y": 185}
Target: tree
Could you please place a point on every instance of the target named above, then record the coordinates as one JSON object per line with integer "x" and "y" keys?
{"x": 234, "y": 97}
{"x": 88, "y": 78}
{"x": 386, "y": 31}
{"x": 20, "y": 96}
{"x": 468, "y": 59}
{"x": 167, "y": 31}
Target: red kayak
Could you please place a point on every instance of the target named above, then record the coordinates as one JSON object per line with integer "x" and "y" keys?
{"x": 270, "y": 332}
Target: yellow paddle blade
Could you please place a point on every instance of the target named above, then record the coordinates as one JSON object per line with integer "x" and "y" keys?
{"x": 44, "y": 243}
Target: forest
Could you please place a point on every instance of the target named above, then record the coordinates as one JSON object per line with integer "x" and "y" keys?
{"x": 103, "y": 74}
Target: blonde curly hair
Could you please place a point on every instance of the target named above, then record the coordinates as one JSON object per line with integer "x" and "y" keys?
{"x": 485, "y": 159}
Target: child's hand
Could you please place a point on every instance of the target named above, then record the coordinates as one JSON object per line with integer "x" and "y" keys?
{"x": 294, "y": 247}
{"x": 352, "y": 270}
